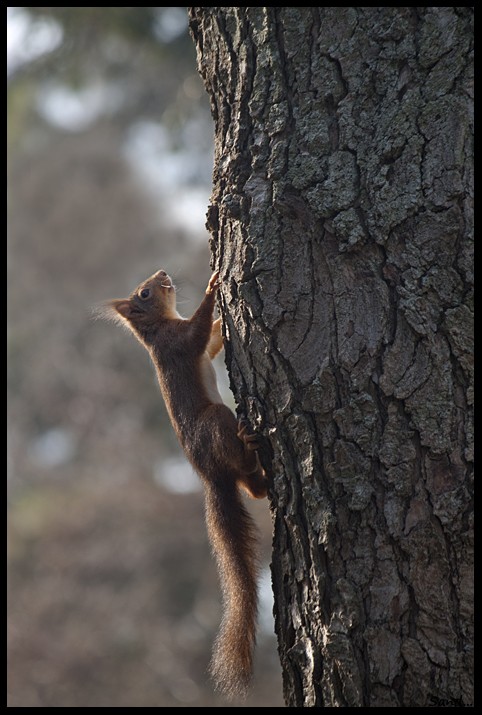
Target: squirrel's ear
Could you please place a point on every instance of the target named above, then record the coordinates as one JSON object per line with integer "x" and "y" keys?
{"x": 123, "y": 307}
{"x": 117, "y": 310}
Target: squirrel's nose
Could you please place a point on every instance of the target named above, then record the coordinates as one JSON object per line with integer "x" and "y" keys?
{"x": 164, "y": 280}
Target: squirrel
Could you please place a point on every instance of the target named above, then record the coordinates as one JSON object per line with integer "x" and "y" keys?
{"x": 221, "y": 449}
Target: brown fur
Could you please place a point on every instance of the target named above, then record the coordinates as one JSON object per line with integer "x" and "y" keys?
{"x": 221, "y": 450}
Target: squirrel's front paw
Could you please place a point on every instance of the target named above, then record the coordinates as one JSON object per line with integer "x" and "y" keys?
{"x": 214, "y": 282}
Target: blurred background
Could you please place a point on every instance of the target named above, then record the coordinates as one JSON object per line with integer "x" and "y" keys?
{"x": 113, "y": 593}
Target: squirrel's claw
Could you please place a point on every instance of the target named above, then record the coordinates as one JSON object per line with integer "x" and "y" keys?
{"x": 214, "y": 282}
{"x": 250, "y": 441}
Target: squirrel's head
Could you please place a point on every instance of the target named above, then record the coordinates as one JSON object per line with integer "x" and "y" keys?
{"x": 153, "y": 300}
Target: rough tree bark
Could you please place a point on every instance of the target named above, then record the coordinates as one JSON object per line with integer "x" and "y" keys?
{"x": 340, "y": 221}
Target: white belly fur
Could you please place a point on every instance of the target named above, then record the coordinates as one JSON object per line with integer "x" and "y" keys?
{"x": 208, "y": 377}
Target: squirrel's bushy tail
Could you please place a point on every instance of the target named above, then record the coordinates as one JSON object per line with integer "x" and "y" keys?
{"x": 232, "y": 534}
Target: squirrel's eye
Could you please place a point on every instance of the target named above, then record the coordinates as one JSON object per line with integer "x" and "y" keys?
{"x": 145, "y": 293}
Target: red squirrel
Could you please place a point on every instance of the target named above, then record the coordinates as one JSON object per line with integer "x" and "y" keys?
{"x": 220, "y": 448}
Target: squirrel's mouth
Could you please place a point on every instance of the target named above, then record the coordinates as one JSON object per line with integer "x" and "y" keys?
{"x": 164, "y": 280}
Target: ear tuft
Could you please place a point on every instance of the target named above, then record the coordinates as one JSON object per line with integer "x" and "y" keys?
{"x": 118, "y": 310}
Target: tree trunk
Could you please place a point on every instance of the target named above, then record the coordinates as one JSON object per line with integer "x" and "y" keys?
{"x": 340, "y": 221}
